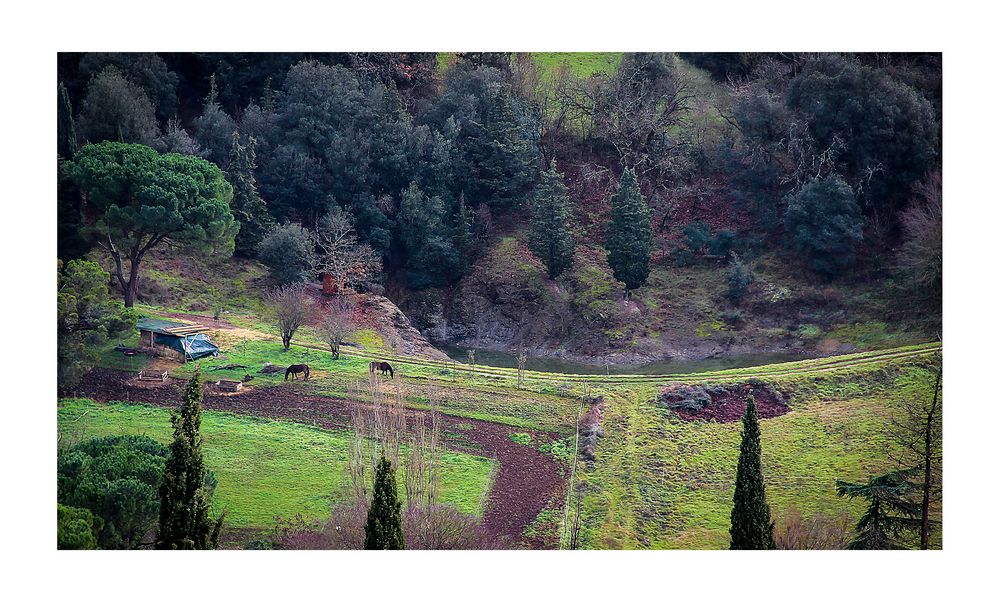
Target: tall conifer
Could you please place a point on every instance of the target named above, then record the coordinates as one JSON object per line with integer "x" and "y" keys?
{"x": 630, "y": 234}
{"x": 384, "y": 527}
{"x": 751, "y": 527}
{"x": 184, "y": 497}
{"x": 551, "y": 238}
{"x": 66, "y": 127}
{"x": 247, "y": 205}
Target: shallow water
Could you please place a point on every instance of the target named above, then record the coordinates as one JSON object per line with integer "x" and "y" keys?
{"x": 495, "y": 358}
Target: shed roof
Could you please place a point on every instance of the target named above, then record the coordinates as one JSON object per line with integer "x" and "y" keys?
{"x": 168, "y": 327}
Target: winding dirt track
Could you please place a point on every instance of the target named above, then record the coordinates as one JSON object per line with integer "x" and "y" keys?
{"x": 524, "y": 483}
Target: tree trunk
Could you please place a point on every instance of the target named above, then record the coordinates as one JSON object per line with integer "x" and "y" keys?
{"x": 925, "y": 523}
{"x": 132, "y": 289}
{"x": 286, "y": 340}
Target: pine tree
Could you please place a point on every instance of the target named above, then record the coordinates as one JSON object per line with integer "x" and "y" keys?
{"x": 214, "y": 128}
{"x": 751, "y": 527}
{"x": 247, "y": 205}
{"x": 462, "y": 237}
{"x": 630, "y": 234}
{"x": 890, "y": 512}
{"x": 384, "y": 528}
{"x": 66, "y": 128}
{"x": 184, "y": 496}
{"x": 503, "y": 157}
{"x": 551, "y": 238}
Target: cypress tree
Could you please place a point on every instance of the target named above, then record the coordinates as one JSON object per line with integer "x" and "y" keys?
{"x": 752, "y": 527}
{"x": 184, "y": 497}
{"x": 247, "y": 205}
{"x": 66, "y": 127}
{"x": 384, "y": 527}
{"x": 630, "y": 234}
{"x": 550, "y": 238}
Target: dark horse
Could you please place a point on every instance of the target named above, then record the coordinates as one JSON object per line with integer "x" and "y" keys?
{"x": 381, "y": 366}
{"x": 295, "y": 370}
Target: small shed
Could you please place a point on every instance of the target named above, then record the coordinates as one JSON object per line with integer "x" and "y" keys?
{"x": 186, "y": 338}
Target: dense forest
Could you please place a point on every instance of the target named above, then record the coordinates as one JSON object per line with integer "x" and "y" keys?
{"x": 476, "y": 188}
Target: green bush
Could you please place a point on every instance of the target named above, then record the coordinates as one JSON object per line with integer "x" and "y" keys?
{"x": 288, "y": 251}
{"x": 115, "y": 478}
{"x": 78, "y": 528}
{"x": 738, "y": 279}
{"x": 825, "y": 223}
{"x": 697, "y": 235}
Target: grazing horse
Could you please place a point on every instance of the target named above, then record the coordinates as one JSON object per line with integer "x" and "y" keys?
{"x": 295, "y": 370}
{"x": 381, "y": 366}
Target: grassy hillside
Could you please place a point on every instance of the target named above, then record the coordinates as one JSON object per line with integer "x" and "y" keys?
{"x": 661, "y": 482}
{"x": 267, "y": 468}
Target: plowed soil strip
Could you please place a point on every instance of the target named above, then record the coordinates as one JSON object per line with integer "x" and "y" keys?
{"x": 525, "y": 480}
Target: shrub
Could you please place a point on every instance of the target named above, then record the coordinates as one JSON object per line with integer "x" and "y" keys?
{"x": 818, "y": 531}
{"x": 722, "y": 243}
{"x": 288, "y": 251}
{"x": 825, "y": 224}
{"x": 697, "y": 235}
{"x": 809, "y": 332}
{"x": 116, "y": 479}
{"x": 738, "y": 279}
{"x": 78, "y": 528}
{"x": 684, "y": 397}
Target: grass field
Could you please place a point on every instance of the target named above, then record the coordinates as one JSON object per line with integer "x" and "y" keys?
{"x": 660, "y": 482}
{"x": 267, "y": 468}
{"x": 657, "y": 481}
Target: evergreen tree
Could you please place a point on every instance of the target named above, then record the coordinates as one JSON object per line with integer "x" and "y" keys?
{"x": 751, "y": 527}
{"x": 215, "y": 128}
{"x": 630, "y": 234}
{"x": 426, "y": 238}
{"x": 825, "y": 224}
{"x": 115, "y": 109}
{"x": 88, "y": 319}
{"x": 384, "y": 527}
{"x": 462, "y": 236}
{"x": 890, "y": 512}
{"x": 551, "y": 238}
{"x": 247, "y": 205}
{"x": 67, "y": 128}
{"x": 501, "y": 151}
{"x": 184, "y": 496}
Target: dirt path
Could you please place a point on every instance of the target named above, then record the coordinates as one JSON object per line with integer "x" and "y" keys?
{"x": 525, "y": 481}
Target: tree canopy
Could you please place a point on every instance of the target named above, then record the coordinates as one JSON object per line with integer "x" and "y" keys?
{"x": 87, "y": 319}
{"x": 551, "y": 236}
{"x": 824, "y": 222}
{"x": 630, "y": 233}
{"x": 751, "y": 527}
{"x": 140, "y": 199}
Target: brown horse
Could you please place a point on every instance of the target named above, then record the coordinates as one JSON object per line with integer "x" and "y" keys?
{"x": 295, "y": 370}
{"x": 381, "y": 366}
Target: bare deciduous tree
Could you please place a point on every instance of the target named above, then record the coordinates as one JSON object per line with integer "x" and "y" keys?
{"x": 920, "y": 258}
{"x": 290, "y": 307}
{"x": 336, "y": 324}
{"x": 917, "y": 446}
{"x": 339, "y": 254}
{"x": 819, "y": 531}
{"x": 635, "y": 109}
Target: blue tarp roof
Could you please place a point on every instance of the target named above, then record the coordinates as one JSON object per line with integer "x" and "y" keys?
{"x": 193, "y": 347}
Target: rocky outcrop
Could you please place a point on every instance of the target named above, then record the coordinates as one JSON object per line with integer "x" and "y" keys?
{"x": 395, "y": 328}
